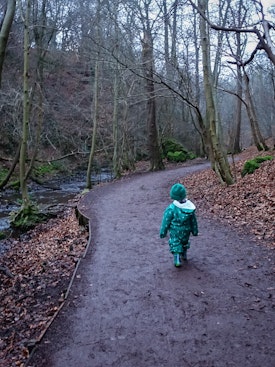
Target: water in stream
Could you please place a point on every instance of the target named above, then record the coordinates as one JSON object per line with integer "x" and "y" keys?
{"x": 61, "y": 194}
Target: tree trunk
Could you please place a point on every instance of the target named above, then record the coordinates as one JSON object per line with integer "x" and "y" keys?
{"x": 26, "y": 112}
{"x": 95, "y": 122}
{"x": 235, "y": 145}
{"x": 236, "y": 134}
{"x": 256, "y": 133}
{"x": 12, "y": 168}
{"x": 153, "y": 143}
{"x": 40, "y": 31}
{"x": 5, "y": 31}
{"x": 117, "y": 146}
{"x": 127, "y": 147}
{"x": 116, "y": 165}
{"x": 217, "y": 156}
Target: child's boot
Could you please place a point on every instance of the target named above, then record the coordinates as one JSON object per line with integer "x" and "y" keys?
{"x": 184, "y": 255}
{"x": 177, "y": 261}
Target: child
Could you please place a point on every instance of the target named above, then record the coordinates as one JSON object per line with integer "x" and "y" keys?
{"x": 180, "y": 220}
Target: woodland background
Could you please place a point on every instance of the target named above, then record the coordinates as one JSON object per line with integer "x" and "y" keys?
{"x": 95, "y": 82}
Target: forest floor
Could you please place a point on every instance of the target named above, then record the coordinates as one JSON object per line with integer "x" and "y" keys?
{"x": 37, "y": 267}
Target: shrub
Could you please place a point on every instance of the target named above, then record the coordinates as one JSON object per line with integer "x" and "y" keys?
{"x": 174, "y": 151}
{"x": 263, "y": 159}
{"x": 171, "y": 145}
{"x": 251, "y": 165}
{"x": 176, "y": 156}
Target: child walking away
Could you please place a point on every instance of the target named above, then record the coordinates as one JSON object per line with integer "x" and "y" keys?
{"x": 180, "y": 220}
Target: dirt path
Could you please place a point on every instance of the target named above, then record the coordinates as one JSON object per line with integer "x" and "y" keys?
{"x": 129, "y": 306}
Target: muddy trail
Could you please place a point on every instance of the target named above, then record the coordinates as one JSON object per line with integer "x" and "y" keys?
{"x": 130, "y": 307}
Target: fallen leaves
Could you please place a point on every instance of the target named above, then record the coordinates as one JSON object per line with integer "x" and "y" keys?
{"x": 41, "y": 264}
{"x": 248, "y": 204}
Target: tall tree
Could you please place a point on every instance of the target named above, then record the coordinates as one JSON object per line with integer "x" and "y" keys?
{"x": 217, "y": 155}
{"x": 261, "y": 30}
{"x": 5, "y": 27}
{"x": 153, "y": 142}
{"x": 251, "y": 111}
{"x": 26, "y": 113}
{"x": 95, "y": 96}
{"x": 95, "y": 125}
{"x": 148, "y": 66}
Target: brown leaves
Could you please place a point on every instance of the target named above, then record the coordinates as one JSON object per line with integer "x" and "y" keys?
{"x": 249, "y": 203}
{"x": 42, "y": 263}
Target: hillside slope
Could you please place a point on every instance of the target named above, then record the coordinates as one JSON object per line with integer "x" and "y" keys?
{"x": 248, "y": 204}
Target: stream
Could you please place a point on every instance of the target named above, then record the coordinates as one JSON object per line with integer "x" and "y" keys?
{"x": 61, "y": 192}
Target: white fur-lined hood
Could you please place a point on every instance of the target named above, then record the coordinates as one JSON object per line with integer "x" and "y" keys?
{"x": 187, "y": 205}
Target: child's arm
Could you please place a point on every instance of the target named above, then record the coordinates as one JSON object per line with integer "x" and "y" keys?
{"x": 194, "y": 225}
{"x": 165, "y": 224}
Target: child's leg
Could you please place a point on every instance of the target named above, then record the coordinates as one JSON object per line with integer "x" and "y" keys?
{"x": 176, "y": 250}
{"x": 177, "y": 261}
{"x": 184, "y": 252}
{"x": 184, "y": 255}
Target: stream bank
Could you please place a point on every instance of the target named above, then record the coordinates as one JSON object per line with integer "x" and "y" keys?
{"x": 55, "y": 192}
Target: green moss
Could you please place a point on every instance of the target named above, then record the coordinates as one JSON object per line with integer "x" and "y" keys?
{"x": 251, "y": 165}
{"x": 47, "y": 169}
{"x": 15, "y": 185}
{"x": 3, "y": 173}
{"x": 26, "y": 218}
{"x": 2, "y": 235}
{"x": 263, "y": 159}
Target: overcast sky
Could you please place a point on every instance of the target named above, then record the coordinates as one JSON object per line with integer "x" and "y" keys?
{"x": 267, "y": 3}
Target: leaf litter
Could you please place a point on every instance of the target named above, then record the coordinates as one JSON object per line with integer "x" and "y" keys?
{"x": 248, "y": 204}
{"x": 40, "y": 263}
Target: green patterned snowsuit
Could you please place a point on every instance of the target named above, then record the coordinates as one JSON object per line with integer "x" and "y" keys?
{"x": 180, "y": 220}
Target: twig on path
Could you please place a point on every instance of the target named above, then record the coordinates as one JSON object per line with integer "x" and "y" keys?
{"x": 6, "y": 271}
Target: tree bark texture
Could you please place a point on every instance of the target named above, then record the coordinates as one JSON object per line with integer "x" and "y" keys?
{"x": 95, "y": 122}
{"x": 218, "y": 158}
{"x": 26, "y": 111}
{"x": 256, "y": 133}
{"x": 5, "y": 31}
{"x": 153, "y": 143}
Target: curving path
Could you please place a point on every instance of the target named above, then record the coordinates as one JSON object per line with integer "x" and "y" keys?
{"x": 129, "y": 307}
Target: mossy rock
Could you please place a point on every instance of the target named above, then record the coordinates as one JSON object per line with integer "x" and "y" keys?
{"x": 27, "y": 218}
{"x": 251, "y": 165}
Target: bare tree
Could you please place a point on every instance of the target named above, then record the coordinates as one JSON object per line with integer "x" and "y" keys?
{"x": 256, "y": 133}
{"x": 217, "y": 156}
{"x": 26, "y": 113}
{"x": 238, "y": 16}
{"x": 153, "y": 143}
{"x": 146, "y": 70}
{"x": 5, "y": 27}
{"x": 95, "y": 124}
{"x": 260, "y": 30}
